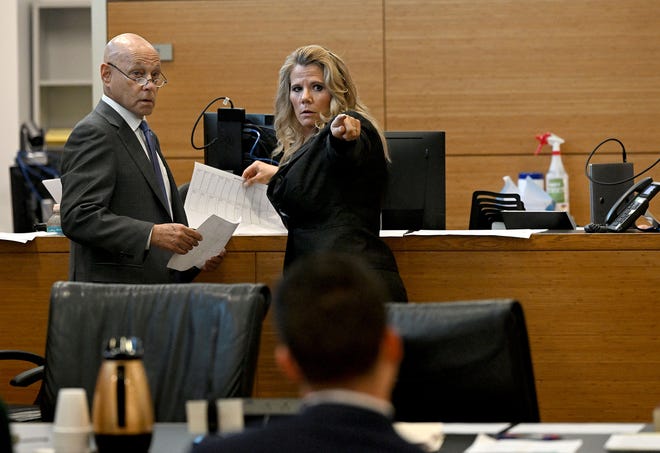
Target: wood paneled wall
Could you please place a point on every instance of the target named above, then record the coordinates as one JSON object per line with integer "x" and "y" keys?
{"x": 491, "y": 73}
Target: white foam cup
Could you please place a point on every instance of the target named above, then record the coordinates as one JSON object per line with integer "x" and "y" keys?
{"x": 196, "y": 416}
{"x": 230, "y": 415}
{"x": 71, "y": 427}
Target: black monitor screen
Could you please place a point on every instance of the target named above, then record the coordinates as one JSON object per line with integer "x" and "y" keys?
{"x": 415, "y": 196}
{"x": 234, "y": 139}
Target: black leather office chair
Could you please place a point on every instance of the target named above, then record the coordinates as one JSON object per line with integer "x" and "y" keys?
{"x": 464, "y": 362}
{"x": 201, "y": 340}
{"x": 487, "y": 206}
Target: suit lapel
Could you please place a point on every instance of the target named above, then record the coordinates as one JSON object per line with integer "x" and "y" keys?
{"x": 136, "y": 152}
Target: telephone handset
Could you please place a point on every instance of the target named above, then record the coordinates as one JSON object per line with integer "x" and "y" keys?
{"x": 631, "y": 205}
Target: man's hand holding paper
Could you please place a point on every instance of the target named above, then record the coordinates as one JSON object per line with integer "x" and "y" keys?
{"x": 215, "y": 232}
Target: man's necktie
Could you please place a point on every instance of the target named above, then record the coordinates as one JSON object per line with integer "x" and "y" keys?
{"x": 153, "y": 156}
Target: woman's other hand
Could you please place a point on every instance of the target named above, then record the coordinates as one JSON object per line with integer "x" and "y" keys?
{"x": 258, "y": 172}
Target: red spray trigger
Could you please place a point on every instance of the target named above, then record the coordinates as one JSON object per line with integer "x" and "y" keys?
{"x": 543, "y": 140}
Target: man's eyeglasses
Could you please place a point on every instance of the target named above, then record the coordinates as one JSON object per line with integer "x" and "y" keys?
{"x": 159, "y": 82}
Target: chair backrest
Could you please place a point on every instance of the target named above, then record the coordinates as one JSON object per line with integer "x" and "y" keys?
{"x": 201, "y": 340}
{"x": 487, "y": 206}
{"x": 464, "y": 362}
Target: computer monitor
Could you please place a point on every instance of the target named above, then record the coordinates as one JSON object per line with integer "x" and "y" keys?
{"x": 415, "y": 196}
{"x": 234, "y": 139}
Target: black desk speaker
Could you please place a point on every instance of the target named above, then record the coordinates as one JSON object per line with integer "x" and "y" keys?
{"x": 603, "y": 196}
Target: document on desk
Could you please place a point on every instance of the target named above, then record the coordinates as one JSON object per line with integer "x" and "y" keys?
{"x": 218, "y": 192}
{"x": 486, "y": 444}
{"x": 633, "y": 442}
{"x": 576, "y": 428}
{"x": 474, "y": 428}
{"x": 215, "y": 232}
{"x": 517, "y": 233}
{"x": 25, "y": 237}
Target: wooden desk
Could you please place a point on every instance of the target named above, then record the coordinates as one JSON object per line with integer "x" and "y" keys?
{"x": 590, "y": 303}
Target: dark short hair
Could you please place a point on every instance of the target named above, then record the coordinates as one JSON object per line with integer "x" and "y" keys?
{"x": 330, "y": 312}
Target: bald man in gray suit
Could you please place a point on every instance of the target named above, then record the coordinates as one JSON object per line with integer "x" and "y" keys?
{"x": 123, "y": 223}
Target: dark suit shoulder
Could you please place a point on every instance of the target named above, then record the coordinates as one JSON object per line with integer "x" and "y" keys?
{"x": 108, "y": 114}
{"x": 330, "y": 428}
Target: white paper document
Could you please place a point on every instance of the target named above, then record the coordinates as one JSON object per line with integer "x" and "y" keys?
{"x": 216, "y": 232}
{"x": 486, "y": 444}
{"x": 576, "y": 428}
{"x": 218, "y": 192}
{"x": 54, "y": 187}
{"x": 517, "y": 233}
{"x": 474, "y": 428}
{"x": 24, "y": 237}
{"x": 633, "y": 442}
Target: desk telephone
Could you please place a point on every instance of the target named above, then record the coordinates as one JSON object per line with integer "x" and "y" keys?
{"x": 628, "y": 208}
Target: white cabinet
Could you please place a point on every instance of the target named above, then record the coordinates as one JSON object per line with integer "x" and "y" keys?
{"x": 62, "y": 67}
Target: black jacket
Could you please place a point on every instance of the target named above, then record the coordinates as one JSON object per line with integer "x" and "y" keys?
{"x": 329, "y": 195}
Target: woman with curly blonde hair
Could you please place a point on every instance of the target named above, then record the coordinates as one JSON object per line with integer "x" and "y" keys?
{"x": 332, "y": 175}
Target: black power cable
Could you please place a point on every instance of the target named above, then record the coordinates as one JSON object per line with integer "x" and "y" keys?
{"x": 226, "y": 101}
{"x": 623, "y": 153}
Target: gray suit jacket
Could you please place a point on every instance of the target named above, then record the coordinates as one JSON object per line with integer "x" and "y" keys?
{"x": 110, "y": 202}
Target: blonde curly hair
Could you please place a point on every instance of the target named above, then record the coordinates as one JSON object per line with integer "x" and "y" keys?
{"x": 338, "y": 81}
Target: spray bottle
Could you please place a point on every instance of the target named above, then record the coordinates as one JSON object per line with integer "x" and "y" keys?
{"x": 556, "y": 179}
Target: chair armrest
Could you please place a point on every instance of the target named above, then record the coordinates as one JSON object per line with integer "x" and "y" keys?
{"x": 28, "y": 377}
{"x": 10, "y": 354}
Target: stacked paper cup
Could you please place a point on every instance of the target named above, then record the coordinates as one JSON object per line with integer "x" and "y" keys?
{"x": 71, "y": 427}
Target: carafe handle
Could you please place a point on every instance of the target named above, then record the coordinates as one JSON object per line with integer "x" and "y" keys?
{"x": 121, "y": 396}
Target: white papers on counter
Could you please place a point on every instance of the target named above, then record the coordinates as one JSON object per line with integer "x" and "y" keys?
{"x": 24, "y": 238}
{"x": 517, "y": 233}
{"x": 576, "y": 428}
{"x": 633, "y": 442}
{"x": 486, "y": 444}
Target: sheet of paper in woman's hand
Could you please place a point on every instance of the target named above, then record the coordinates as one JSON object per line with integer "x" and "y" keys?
{"x": 214, "y": 191}
{"x": 215, "y": 232}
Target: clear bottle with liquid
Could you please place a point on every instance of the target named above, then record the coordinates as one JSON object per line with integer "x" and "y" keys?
{"x": 54, "y": 224}
{"x": 556, "y": 182}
